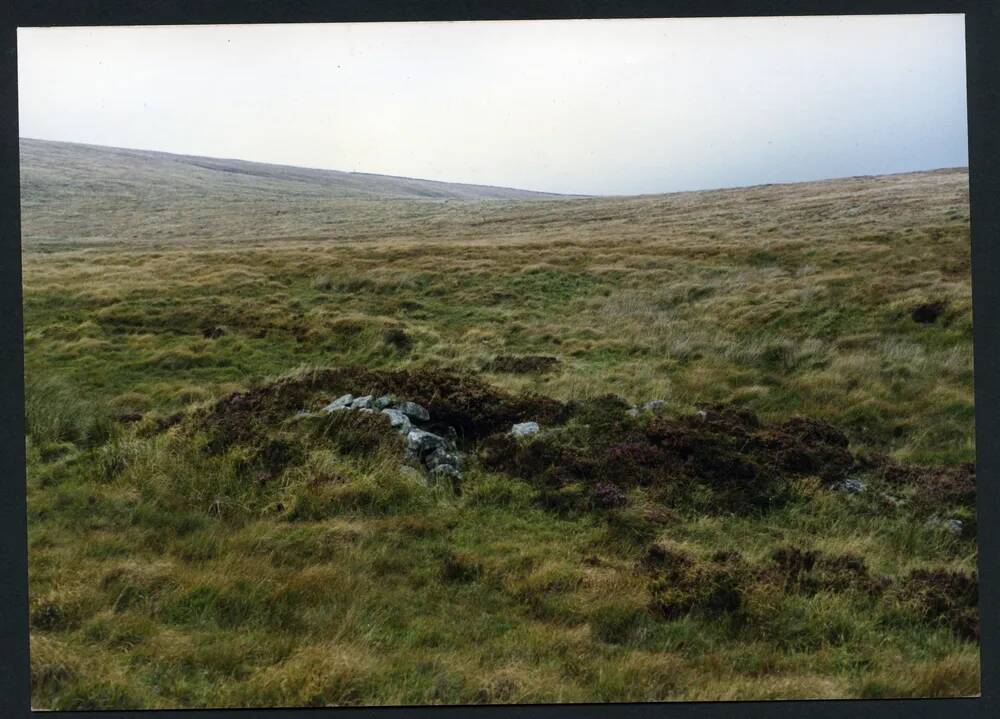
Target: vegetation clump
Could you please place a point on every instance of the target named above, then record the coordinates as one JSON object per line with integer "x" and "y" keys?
{"x": 521, "y": 364}
{"x": 928, "y": 312}
{"x": 682, "y": 584}
{"x": 465, "y": 403}
{"x": 937, "y": 488}
{"x": 745, "y": 465}
{"x": 810, "y": 571}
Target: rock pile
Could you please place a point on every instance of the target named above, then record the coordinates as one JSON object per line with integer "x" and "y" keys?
{"x": 436, "y": 454}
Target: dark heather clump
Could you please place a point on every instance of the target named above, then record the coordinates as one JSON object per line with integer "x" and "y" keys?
{"x": 666, "y": 559}
{"x": 745, "y": 464}
{"x": 521, "y": 364}
{"x": 397, "y": 338}
{"x": 933, "y": 489}
{"x": 212, "y": 333}
{"x": 928, "y": 312}
{"x": 722, "y": 459}
{"x": 609, "y": 495}
{"x": 606, "y": 412}
{"x": 809, "y": 571}
{"x": 681, "y": 584}
{"x": 947, "y": 597}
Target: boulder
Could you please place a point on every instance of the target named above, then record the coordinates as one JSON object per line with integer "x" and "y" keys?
{"x": 414, "y": 411}
{"x": 852, "y": 486}
{"x": 441, "y": 457}
{"x": 399, "y": 421}
{"x": 655, "y": 405}
{"x": 525, "y": 429}
{"x": 383, "y": 402}
{"x": 343, "y": 402}
{"x": 422, "y": 443}
{"x": 362, "y": 402}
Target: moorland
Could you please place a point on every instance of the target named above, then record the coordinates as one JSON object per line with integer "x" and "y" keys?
{"x": 792, "y": 517}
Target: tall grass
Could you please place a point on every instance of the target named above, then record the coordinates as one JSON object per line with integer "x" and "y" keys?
{"x": 57, "y": 411}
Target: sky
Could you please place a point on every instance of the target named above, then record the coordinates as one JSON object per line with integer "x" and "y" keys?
{"x": 605, "y": 107}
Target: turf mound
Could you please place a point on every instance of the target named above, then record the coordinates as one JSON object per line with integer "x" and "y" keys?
{"x": 472, "y": 407}
{"x": 590, "y": 454}
{"x": 742, "y": 463}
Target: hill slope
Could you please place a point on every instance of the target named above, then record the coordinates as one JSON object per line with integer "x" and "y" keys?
{"x": 59, "y": 167}
{"x": 101, "y": 194}
{"x": 73, "y": 190}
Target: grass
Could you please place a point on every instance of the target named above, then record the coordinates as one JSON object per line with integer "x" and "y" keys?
{"x": 168, "y": 571}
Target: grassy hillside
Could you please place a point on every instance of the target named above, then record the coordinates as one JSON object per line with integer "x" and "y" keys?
{"x": 78, "y": 191}
{"x": 191, "y": 544}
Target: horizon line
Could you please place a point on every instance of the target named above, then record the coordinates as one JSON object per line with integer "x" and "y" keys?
{"x": 549, "y": 193}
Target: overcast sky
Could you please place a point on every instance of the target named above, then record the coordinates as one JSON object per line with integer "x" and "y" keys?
{"x": 579, "y": 106}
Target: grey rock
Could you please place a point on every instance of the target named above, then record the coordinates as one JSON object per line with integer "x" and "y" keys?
{"x": 343, "y": 402}
{"x": 632, "y": 411}
{"x": 362, "y": 402}
{"x": 525, "y": 429}
{"x": 367, "y": 410}
{"x": 421, "y": 443}
{"x": 398, "y": 420}
{"x": 383, "y": 402}
{"x": 702, "y": 414}
{"x": 852, "y": 486}
{"x": 414, "y": 411}
{"x": 441, "y": 457}
{"x": 655, "y": 405}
